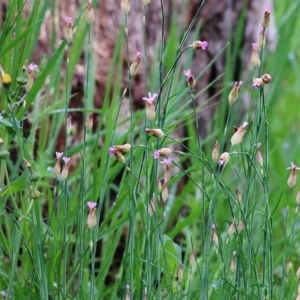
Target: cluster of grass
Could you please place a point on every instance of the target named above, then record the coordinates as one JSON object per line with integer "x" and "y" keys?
{"x": 175, "y": 217}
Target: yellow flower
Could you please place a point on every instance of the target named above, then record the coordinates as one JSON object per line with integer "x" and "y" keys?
{"x": 6, "y": 79}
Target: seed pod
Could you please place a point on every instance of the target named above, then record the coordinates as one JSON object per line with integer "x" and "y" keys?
{"x": 224, "y": 158}
{"x": 215, "y": 152}
{"x": 158, "y": 133}
{"x": 164, "y": 151}
{"x": 125, "y": 6}
{"x": 89, "y": 14}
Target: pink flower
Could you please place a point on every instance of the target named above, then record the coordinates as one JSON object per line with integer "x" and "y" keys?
{"x": 254, "y": 46}
{"x": 167, "y": 161}
{"x": 188, "y": 73}
{"x": 91, "y": 204}
{"x": 68, "y": 20}
{"x": 267, "y": 9}
{"x": 190, "y": 78}
{"x": 155, "y": 154}
{"x": 199, "y": 45}
{"x": 112, "y": 151}
{"x": 139, "y": 54}
{"x": 151, "y": 98}
{"x": 66, "y": 159}
{"x": 204, "y": 45}
{"x": 32, "y": 68}
{"x": 293, "y": 167}
{"x": 58, "y": 154}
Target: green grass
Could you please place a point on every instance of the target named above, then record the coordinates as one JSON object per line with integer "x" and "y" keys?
{"x": 141, "y": 244}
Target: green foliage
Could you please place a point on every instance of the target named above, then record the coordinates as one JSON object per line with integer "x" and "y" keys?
{"x": 231, "y": 230}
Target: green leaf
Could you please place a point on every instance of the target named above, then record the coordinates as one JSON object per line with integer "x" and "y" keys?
{"x": 17, "y": 40}
{"x": 6, "y": 123}
{"x": 16, "y": 186}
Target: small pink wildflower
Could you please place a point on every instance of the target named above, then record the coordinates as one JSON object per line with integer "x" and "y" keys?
{"x": 91, "y": 204}
{"x": 155, "y": 154}
{"x": 187, "y": 73}
{"x": 151, "y": 98}
{"x": 68, "y": 20}
{"x": 255, "y": 46}
{"x": 167, "y": 161}
{"x": 139, "y": 54}
{"x": 204, "y": 45}
{"x": 190, "y": 78}
{"x": 66, "y": 159}
{"x": 58, "y": 154}
{"x": 32, "y": 67}
{"x": 197, "y": 45}
{"x": 267, "y": 9}
{"x": 293, "y": 167}
{"x": 112, "y": 151}
{"x": 266, "y": 18}
{"x": 293, "y": 176}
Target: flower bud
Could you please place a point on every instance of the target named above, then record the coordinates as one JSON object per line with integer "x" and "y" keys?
{"x": 89, "y": 122}
{"x": 150, "y": 112}
{"x": 191, "y": 82}
{"x": 215, "y": 238}
{"x": 120, "y": 157}
{"x": 29, "y": 83}
{"x": 259, "y": 157}
{"x": 146, "y": 2}
{"x": 224, "y": 158}
{"x": 237, "y": 138}
{"x": 266, "y": 19}
{"x": 68, "y": 30}
{"x": 233, "y": 262}
{"x": 134, "y": 68}
{"x": 89, "y": 14}
{"x": 165, "y": 192}
{"x": 164, "y": 151}
{"x": 238, "y": 195}
{"x": 255, "y": 61}
{"x": 293, "y": 176}
{"x": 92, "y": 219}
{"x": 159, "y": 186}
{"x": 257, "y": 82}
{"x": 198, "y": 45}
{"x": 192, "y": 257}
{"x": 125, "y": 6}
{"x": 180, "y": 272}
{"x": 21, "y": 80}
{"x": 234, "y": 93}
{"x": 151, "y": 207}
{"x": 266, "y": 78}
{"x": 215, "y": 153}
{"x": 261, "y": 39}
{"x": 241, "y": 226}
{"x": 57, "y": 168}
{"x": 231, "y": 229}
{"x": 64, "y": 173}
{"x": 158, "y": 133}
{"x": 65, "y": 170}
{"x": 123, "y": 148}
